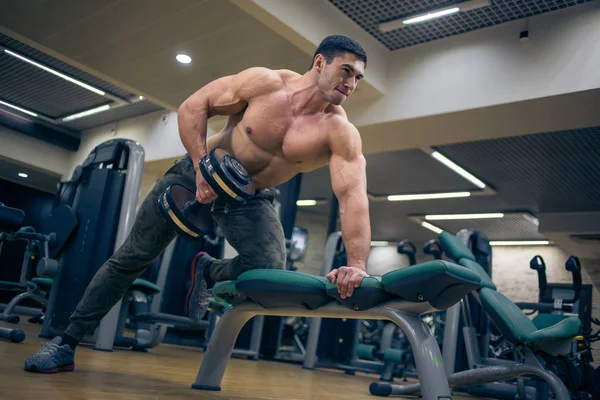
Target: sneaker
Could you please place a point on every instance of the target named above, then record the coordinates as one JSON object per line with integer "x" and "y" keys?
{"x": 52, "y": 358}
{"x": 198, "y": 296}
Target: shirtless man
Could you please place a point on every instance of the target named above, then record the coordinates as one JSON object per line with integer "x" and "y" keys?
{"x": 280, "y": 124}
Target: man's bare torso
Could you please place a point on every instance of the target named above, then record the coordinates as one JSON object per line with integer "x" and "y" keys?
{"x": 274, "y": 138}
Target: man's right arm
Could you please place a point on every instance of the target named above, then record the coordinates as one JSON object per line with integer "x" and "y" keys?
{"x": 224, "y": 96}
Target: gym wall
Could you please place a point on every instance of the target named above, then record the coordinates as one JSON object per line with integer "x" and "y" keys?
{"x": 27, "y": 150}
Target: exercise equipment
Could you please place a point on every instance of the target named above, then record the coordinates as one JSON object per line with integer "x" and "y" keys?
{"x": 226, "y": 176}
{"x": 189, "y": 218}
{"x": 484, "y": 374}
{"x": 14, "y": 335}
{"x": 409, "y": 249}
{"x": 41, "y": 248}
{"x": 557, "y": 302}
{"x": 400, "y": 296}
{"x": 103, "y": 192}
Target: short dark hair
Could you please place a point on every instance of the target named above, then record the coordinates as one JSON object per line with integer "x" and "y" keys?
{"x": 336, "y": 45}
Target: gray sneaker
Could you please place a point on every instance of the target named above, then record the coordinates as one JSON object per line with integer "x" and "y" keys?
{"x": 199, "y": 294}
{"x": 52, "y": 358}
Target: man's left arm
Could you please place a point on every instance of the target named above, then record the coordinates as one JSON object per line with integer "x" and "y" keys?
{"x": 347, "y": 167}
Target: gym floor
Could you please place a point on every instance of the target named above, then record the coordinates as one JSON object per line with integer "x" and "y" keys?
{"x": 167, "y": 372}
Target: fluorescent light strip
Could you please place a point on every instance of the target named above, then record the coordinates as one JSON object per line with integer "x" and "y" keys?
{"x": 520, "y": 243}
{"x": 432, "y": 15}
{"x": 450, "y": 217}
{"x": 464, "y": 6}
{"x": 427, "y": 196}
{"x": 441, "y": 158}
{"x": 379, "y": 243}
{"x": 86, "y": 113}
{"x": 431, "y": 227}
{"x": 19, "y": 108}
{"x": 306, "y": 203}
{"x": 65, "y": 77}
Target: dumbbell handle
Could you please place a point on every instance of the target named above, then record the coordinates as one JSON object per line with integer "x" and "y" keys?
{"x": 574, "y": 266}
{"x": 537, "y": 263}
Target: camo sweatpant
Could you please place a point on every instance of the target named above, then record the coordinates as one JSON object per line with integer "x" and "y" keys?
{"x": 253, "y": 229}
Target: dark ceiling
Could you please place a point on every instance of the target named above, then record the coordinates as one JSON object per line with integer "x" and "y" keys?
{"x": 369, "y": 14}
{"x": 53, "y": 98}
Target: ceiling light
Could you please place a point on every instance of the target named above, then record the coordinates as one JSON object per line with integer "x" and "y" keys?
{"x": 141, "y": 97}
{"x": 466, "y": 6}
{"x": 432, "y": 15}
{"x": 519, "y": 243}
{"x": 86, "y": 113}
{"x": 379, "y": 243}
{"x": 306, "y": 203}
{"x": 441, "y": 158}
{"x": 431, "y": 227}
{"x": 61, "y": 75}
{"x": 449, "y": 217}
{"x": 427, "y": 196}
{"x": 184, "y": 58}
{"x": 23, "y": 175}
{"x": 19, "y": 108}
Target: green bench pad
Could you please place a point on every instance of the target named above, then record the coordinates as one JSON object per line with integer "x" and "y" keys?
{"x": 144, "y": 286}
{"x": 454, "y": 247}
{"x": 486, "y": 281}
{"x": 542, "y": 321}
{"x": 441, "y": 283}
{"x": 273, "y": 288}
{"x": 367, "y": 295}
{"x": 517, "y": 328}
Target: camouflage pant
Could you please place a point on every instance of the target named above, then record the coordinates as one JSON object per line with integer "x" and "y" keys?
{"x": 253, "y": 229}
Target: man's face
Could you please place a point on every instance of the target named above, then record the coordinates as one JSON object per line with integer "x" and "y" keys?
{"x": 338, "y": 79}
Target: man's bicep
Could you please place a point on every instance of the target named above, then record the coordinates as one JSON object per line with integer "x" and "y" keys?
{"x": 348, "y": 173}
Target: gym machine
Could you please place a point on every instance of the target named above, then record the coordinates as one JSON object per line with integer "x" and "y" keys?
{"x": 103, "y": 193}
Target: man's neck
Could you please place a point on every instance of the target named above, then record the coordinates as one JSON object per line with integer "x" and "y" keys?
{"x": 306, "y": 98}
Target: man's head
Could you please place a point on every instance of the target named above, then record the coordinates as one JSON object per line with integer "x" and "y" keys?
{"x": 340, "y": 63}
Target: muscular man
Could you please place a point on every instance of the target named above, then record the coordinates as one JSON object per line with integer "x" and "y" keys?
{"x": 280, "y": 124}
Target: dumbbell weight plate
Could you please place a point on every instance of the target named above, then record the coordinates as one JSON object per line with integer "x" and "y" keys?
{"x": 226, "y": 175}
{"x": 189, "y": 218}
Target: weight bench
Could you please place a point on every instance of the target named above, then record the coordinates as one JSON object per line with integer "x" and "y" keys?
{"x": 516, "y": 328}
{"x": 399, "y": 296}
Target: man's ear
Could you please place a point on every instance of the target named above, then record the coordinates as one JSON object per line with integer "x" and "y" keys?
{"x": 319, "y": 62}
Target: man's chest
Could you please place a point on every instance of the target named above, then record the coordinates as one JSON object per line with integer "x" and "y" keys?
{"x": 276, "y": 129}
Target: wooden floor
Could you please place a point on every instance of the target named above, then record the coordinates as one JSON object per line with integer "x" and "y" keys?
{"x": 166, "y": 372}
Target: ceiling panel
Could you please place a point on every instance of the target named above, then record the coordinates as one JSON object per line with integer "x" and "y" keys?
{"x": 36, "y": 90}
{"x": 63, "y": 67}
{"x": 369, "y": 14}
{"x": 555, "y": 171}
{"x": 511, "y": 227}
{"x": 411, "y": 171}
{"x": 112, "y": 115}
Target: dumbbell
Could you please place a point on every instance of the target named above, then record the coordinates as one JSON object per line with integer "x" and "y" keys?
{"x": 226, "y": 176}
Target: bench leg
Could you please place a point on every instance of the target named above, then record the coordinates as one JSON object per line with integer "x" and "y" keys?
{"x": 426, "y": 351}
{"x": 220, "y": 347}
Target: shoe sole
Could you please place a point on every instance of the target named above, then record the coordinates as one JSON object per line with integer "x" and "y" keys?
{"x": 193, "y": 285}
{"x": 62, "y": 368}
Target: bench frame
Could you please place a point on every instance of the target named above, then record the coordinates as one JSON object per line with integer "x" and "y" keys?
{"x": 405, "y": 314}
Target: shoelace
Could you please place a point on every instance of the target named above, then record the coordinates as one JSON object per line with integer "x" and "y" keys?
{"x": 49, "y": 348}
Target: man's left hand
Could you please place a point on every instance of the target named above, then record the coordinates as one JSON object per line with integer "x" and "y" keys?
{"x": 347, "y": 279}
